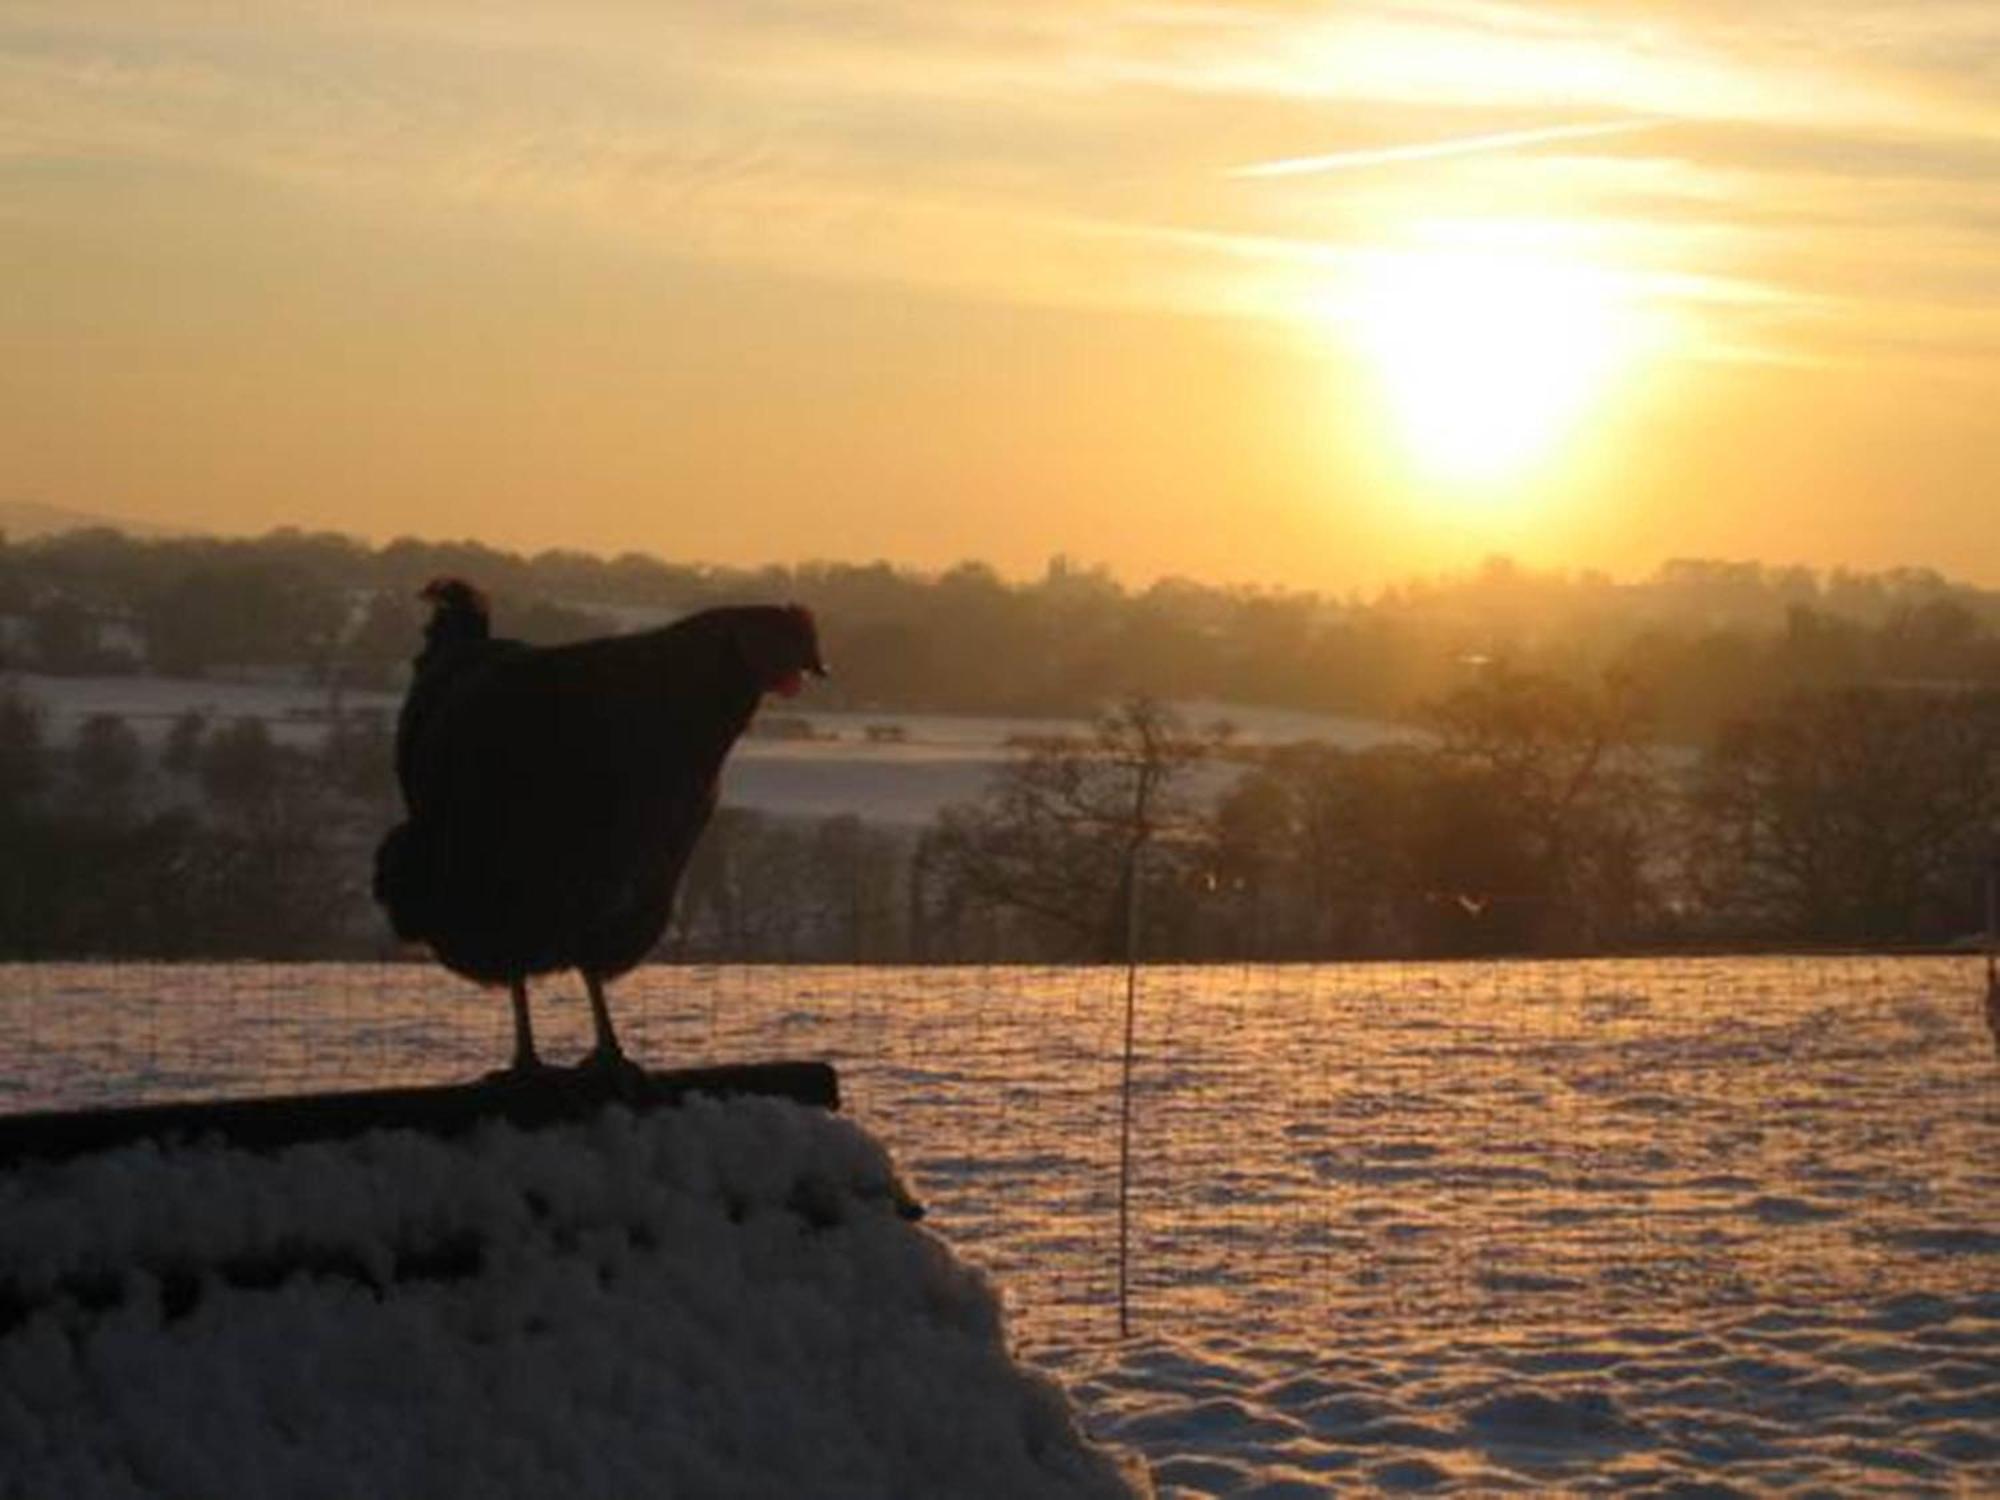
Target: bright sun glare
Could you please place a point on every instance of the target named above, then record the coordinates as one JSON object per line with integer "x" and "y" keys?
{"x": 1488, "y": 358}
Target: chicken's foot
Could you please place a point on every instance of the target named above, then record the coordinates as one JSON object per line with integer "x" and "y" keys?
{"x": 606, "y": 1058}
{"x": 526, "y": 1063}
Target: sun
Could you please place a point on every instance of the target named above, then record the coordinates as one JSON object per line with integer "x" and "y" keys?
{"x": 1487, "y": 359}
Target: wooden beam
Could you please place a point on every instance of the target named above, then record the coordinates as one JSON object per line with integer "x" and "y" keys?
{"x": 554, "y": 1096}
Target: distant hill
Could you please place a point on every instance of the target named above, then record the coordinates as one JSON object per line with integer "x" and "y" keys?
{"x": 24, "y": 520}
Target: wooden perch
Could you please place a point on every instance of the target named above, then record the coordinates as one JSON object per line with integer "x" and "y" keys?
{"x": 554, "y": 1097}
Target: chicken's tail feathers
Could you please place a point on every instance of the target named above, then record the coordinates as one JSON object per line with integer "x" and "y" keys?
{"x": 405, "y": 882}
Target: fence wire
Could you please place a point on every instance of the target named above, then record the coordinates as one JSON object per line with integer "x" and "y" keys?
{"x": 1465, "y": 1143}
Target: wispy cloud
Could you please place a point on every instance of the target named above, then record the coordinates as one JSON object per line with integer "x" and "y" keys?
{"x": 997, "y": 148}
{"x": 1465, "y": 145}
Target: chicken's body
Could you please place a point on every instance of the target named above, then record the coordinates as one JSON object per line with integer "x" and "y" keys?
{"x": 556, "y": 793}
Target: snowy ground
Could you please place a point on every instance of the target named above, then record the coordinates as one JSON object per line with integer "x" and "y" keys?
{"x": 718, "y": 1301}
{"x": 1641, "y": 1226}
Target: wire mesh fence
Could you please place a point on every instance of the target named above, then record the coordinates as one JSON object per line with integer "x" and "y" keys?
{"x": 1450, "y": 1143}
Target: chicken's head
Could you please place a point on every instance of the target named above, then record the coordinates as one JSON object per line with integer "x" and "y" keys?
{"x": 781, "y": 647}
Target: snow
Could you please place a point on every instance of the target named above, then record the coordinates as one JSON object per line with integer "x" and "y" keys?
{"x": 293, "y": 711}
{"x": 889, "y": 786}
{"x": 718, "y": 1301}
{"x": 899, "y": 783}
{"x": 1696, "y": 1226}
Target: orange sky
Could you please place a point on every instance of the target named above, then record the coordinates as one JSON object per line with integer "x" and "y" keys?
{"x": 1319, "y": 295}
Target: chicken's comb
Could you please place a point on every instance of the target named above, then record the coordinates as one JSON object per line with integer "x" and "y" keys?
{"x": 454, "y": 593}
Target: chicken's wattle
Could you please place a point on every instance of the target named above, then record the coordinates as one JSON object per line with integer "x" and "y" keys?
{"x": 789, "y": 685}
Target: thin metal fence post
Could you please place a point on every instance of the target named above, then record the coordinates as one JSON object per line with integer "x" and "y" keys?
{"x": 1125, "y": 1092}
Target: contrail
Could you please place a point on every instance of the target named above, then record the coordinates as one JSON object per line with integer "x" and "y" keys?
{"x": 1465, "y": 145}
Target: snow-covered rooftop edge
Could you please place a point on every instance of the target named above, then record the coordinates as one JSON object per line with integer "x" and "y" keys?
{"x": 719, "y": 1300}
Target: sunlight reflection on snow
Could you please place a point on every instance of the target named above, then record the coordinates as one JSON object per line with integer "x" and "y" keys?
{"x": 1744, "y": 1202}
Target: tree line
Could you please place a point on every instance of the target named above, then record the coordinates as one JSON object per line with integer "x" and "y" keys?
{"x": 220, "y": 841}
{"x": 1537, "y": 818}
{"x": 1708, "y": 642}
{"x": 1533, "y": 816}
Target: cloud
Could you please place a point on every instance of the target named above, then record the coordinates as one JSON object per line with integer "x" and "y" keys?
{"x": 1505, "y": 140}
{"x": 1071, "y": 152}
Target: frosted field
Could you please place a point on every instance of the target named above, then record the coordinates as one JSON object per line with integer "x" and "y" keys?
{"x": 1609, "y": 1226}
{"x": 942, "y": 758}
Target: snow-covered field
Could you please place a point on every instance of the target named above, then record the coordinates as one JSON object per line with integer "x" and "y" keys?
{"x": 847, "y": 767}
{"x": 1643, "y": 1226}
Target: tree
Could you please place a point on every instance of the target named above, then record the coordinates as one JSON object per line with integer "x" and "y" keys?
{"x": 1312, "y": 851}
{"x": 240, "y": 613}
{"x": 243, "y": 773}
{"x": 107, "y": 765}
{"x": 377, "y": 650}
{"x": 1858, "y": 815}
{"x": 267, "y": 876}
{"x": 1059, "y": 836}
{"x": 64, "y": 637}
{"x": 181, "y": 753}
{"x": 23, "y": 775}
{"x": 852, "y": 874}
{"x": 746, "y": 893}
{"x": 23, "y": 757}
{"x": 358, "y": 760}
{"x": 1548, "y": 794}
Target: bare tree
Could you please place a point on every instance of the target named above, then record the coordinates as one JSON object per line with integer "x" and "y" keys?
{"x": 1059, "y": 836}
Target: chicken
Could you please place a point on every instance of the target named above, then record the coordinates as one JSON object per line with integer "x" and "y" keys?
{"x": 555, "y": 793}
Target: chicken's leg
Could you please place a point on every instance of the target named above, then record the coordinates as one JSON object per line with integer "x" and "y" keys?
{"x": 607, "y": 1055}
{"x": 525, "y": 1060}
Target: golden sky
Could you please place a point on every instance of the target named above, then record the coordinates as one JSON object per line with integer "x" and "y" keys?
{"x": 1311, "y": 294}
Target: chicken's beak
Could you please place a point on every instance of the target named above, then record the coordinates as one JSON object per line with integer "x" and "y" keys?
{"x": 789, "y": 685}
